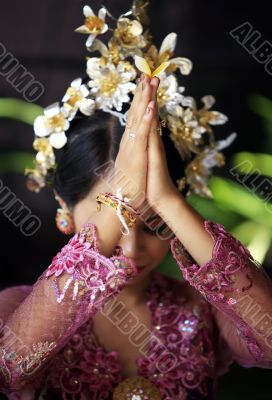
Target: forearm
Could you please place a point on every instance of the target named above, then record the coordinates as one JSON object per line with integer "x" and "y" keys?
{"x": 79, "y": 282}
{"x": 109, "y": 229}
{"x": 187, "y": 225}
{"x": 241, "y": 292}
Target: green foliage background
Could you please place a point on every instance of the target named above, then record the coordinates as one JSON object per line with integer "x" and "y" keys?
{"x": 246, "y": 215}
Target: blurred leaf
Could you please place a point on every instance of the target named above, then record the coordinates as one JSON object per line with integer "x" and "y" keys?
{"x": 257, "y": 238}
{"x": 213, "y": 211}
{"x": 267, "y": 126}
{"x": 15, "y": 162}
{"x": 261, "y": 162}
{"x": 238, "y": 199}
{"x": 169, "y": 267}
{"x": 245, "y": 231}
{"x": 260, "y": 243}
{"x": 19, "y": 110}
{"x": 261, "y": 105}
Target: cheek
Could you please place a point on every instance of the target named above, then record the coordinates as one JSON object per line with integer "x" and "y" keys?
{"x": 155, "y": 250}
{"x": 158, "y": 249}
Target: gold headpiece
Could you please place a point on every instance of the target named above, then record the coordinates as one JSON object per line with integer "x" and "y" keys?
{"x": 111, "y": 82}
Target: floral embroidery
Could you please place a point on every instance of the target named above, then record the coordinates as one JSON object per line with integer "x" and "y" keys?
{"x": 5, "y": 375}
{"x": 34, "y": 360}
{"x": 101, "y": 371}
{"x": 93, "y": 275}
{"x": 68, "y": 258}
{"x": 179, "y": 359}
{"x": 191, "y": 347}
{"x": 178, "y": 362}
{"x": 218, "y": 275}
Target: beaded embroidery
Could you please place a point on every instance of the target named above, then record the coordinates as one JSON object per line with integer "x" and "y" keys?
{"x": 84, "y": 366}
{"x": 88, "y": 269}
{"x": 218, "y": 276}
{"x": 34, "y": 360}
{"x": 181, "y": 328}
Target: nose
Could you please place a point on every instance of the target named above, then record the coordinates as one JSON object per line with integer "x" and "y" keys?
{"x": 132, "y": 245}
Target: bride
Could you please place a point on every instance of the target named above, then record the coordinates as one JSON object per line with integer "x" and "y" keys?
{"x": 101, "y": 322}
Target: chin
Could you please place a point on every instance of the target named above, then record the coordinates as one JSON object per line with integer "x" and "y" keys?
{"x": 143, "y": 274}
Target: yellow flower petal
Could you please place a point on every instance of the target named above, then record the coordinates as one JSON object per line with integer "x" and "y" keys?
{"x": 143, "y": 66}
{"x": 160, "y": 69}
{"x": 82, "y": 29}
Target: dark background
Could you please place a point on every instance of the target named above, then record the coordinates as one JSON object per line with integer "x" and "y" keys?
{"x": 40, "y": 34}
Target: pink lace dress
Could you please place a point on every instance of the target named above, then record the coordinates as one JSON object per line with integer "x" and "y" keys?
{"x": 221, "y": 312}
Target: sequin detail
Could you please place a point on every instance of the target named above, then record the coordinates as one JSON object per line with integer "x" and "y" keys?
{"x": 90, "y": 272}
{"x": 34, "y": 360}
{"x": 217, "y": 279}
{"x": 217, "y": 276}
{"x": 178, "y": 362}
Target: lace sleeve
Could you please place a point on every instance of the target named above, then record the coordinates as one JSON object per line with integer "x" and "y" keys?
{"x": 240, "y": 292}
{"x": 77, "y": 283}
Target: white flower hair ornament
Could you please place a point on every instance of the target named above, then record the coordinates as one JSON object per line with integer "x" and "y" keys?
{"x": 111, "y": 82}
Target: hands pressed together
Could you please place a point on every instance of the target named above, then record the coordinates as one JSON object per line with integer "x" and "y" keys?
{"x": 141, "y": 157}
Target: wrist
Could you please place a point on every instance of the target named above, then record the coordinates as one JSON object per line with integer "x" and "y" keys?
{"x": 168, "y": 199}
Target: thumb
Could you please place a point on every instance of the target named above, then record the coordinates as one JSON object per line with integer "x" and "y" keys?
{"x": 154, "y": 83}
{"x": 154, "y": 138}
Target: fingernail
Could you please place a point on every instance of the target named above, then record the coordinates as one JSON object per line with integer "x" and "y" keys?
{"x": 142, "y": 77}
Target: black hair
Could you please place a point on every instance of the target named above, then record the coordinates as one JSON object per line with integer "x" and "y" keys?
{"x": 93, "y": 142}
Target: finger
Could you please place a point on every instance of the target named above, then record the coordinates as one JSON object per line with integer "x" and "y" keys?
{"x": 155, "y": 82}
{"x": 145, "y": 98}
{"x": 138, "y": 92}
{"x": 136, "y": 126}
{"x": 155, "y": 140}
{"x": 156, "y": 150}
{"x": 140, "y": 115}
{"x": 144, "y": 93}
{"x": 135, "y": 101}
{"x": 131, "y": 112}
{"x": 141, "y": 139}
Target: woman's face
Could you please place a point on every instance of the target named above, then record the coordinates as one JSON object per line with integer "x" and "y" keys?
{"x": 146, "y": 244}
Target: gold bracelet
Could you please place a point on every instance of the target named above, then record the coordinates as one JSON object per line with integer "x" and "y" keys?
{"x": 106, "y": 199}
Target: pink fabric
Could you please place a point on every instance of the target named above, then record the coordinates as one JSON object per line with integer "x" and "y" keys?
{"x": 11, "y": 298}
{"x": 66, "y": 295}
{"x": 234, "y": 284}
{"x": 49, "y": 351}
